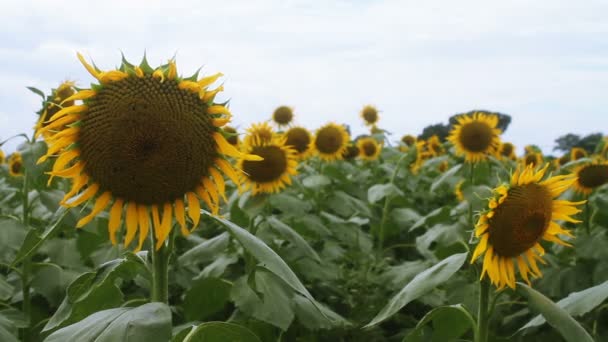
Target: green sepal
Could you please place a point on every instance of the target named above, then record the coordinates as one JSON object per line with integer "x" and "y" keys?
{"x": 194, "y": 76}
{"x": 145, "y": 67}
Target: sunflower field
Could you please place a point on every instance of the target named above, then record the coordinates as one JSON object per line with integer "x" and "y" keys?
{"x": 134, "y": 212}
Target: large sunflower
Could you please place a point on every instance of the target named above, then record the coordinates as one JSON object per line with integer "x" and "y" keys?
{"x": 519, "y": 216}
{"x": 54, "y": 103}
{"x": 15, "y": 164}
{"x": 283, "y": 116}
{"x": 145, "y": 141}
{"x": 369, "y": 148}
{"x": 475, "y": 136}
{"x": 577, "y": 153}
{"x": 274, "y": 172}
{"x": 370, "y": 115}
{"x": 300, "y": 139}
{"x": 591, "y": 176}
{"x": 262, "y": 131}
{"x": 331, "y": 141}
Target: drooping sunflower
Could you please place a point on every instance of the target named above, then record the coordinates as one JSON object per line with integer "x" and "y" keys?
{"x": 475, "y": 136}
{"x": 54, "y": 103}
{"x": 533, "y": 158}
{"x": 272, "y": 173}
{"x": 262, "y": 131}
{"x": 591, "y": 176}
{"x": 301, "y": 140}
{"x": 15, "y": 164}
{"x": 519, "y": 216}
{"x": 408, "y": 140}
{"x": 434, "y": 146}
{"x": 331, "y": 141}
{"x": 370, "y": 115}
{"x": 577, "y": 153}
{"x": 232, "y": 136}
{"x": 145, "y": 141}
{"x": 282, "y": 116}
{"x": 369, "y": 148}
{"x": 507, "y": 150}
{"x": 351, "y": 152}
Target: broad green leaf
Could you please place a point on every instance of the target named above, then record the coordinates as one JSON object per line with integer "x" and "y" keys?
{"x": 6, "y": 289}
{"x": 577, "y": 303}
{"x": 289, "y": 205}
{"x": 147, "y": 323}
{"x": 557, "y": 317}
{"x": 404, "y": 216}
{"x": 420, "y": 285}
{"x": 445, "y": 176}
{"x": 206, "y": 251}
{"x": 292, "y": 236}
{"x": 308, "y": 314}
{"x": 449, "y": 323}
{"x": 221, "y": 332}
{"x": 12, "y": 235}
{"x": 316, "y": 181}
{"x": 206, "y": 297}
{"x": 380, "y": 191}
{"x": 435, "y": 216}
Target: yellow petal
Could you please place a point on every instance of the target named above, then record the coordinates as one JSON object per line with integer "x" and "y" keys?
{"x": 87, "y": 66}
{"x": 180, "y": 216}
{"x": 68, "y": 110}
{"x": 194, "y": 208}
{"x": 481, "y": 247}
{"x": 101, "y": 203}
{"x": 218, "y": 109}
{"x": 156, "y": 221}
{"x": 115, "y": 216}
{"x": 219, "y": 181}
{"x": 206, "y": 81}
{"x": 172, "y": 74}
{"x": 165, "y": 225}
{"x": 87, "y": 194}
{"x": 229, "y": 150}
{"x": 144, "y": 225}
{"x": 132, "y": 219}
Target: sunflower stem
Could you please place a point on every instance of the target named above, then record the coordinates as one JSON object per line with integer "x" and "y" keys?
{"x": 387, "y": 202}
{"x": 471, "y": 183}
{"x": 483, "y": 314}
{"x": 587, "y": 217}
{"x": 160, "y": 272}
{"x": 26, "y": 265}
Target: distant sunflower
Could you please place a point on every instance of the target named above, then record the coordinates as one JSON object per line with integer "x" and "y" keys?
{"x": 331, "y": 141}
{"x": 475, "y": 136}
{"x": 232, "y": 136}
{"x": 369, "y": 148}
{"x": 408, "y": 140}
{"x": 591, "y": 176}
{"x": 434, "y": 146}
{"x": 274, "y": 172}
{"x": 563, "y": 160}
{"x": 54, "y": 103}
{"x": 262, "y": 131}
{"x": 15, "y": 164}
{"x": 507, "y": 150}
{"x": 370, "y": 115}
{"x": 2, "y": 157}
{"x": 458, "y": 191}
{"x": 282, "y": 116}
{"x": 533, "y": 158}
{"x": 351, "y": 152}
{"x": 147, "y": 140}
{"x": 422, "y": 154}
{"x": 301, "y": 140}
{"x": 519, "y": 216}
{"x": 443, "y": 166}
{"x": 577, "y": 153}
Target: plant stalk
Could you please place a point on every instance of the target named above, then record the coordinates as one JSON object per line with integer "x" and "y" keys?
{"x": 387, "y": 201}
{"x": 483, "y": 319}
{"x": 26, "y": 265}
{"x": 160, "y": 272}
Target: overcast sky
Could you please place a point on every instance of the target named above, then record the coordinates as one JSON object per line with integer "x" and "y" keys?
{"x": 543, "y": 62}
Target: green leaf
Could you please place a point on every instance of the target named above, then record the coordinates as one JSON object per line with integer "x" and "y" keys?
{"x": 380, "y": 191}
{"x": 37, "y": 91}
{"x": 6, "y": 289}
{"x": 577, "y": 303}
{"x": 449, "y": 322}
{"x": 147, "y": 323}
{"x": 316, "y": 181}
{"x": 420, "y": 285}
{"x": 308, "y": 314}
{"x": 12, "y": 235}
{"x": 404, "y": 216}
{"x": 206, "y": 297}
{"x": 294, "y": 238}
{"x": 557, "y": 317}
{"x": 445, "y": 176}
{"x": 435, "y": 216}
{"x": 221, "y": 332}
{"x": 289, "y": 205}
{"x": 205, "y": 251}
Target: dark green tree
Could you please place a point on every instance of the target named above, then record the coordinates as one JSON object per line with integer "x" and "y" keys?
{"x": 566, "y": 142}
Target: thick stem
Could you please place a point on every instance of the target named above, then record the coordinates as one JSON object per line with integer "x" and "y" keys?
{"x": 481, "y": 335}
{"x": 26, "y": 265}
{"x": 160, "y": 272}
{"x": 387, "y": 201}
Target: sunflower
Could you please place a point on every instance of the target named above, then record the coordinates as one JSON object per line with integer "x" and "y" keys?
{"x": 331, "y": 141}
{"x": 434, "y": 146}
{"x": 475, "y": 136}
{"x": 520, "y": 215}
{"x": 577, "y": 153}
{"x": 422, "y": 154}
{"x": 1, "y": 157}
{"x": 300, "y": 139}
{"x": 262, "y": 131}
{"x": 563, "y": 160}
{"x": 351, "y": 152}
{"x": 282, "y": 116}
{"x": 15, "y": 164}
{"x": 232, "y": 136}
{"x": 369, "y": 148}
{"x": 591, "y": 176}
{"x": 533, "y": 158}
{"x": 147, "y": 140}
{"x": 507, "y": 150}
{"x": 370, "y": 115}
{"x": 458, "y": 191}
{"x": 274, "y": 172}
{"x": 443, "y": 166}
{"x": 54, "y": 103}
{"x": 408, "y": 140}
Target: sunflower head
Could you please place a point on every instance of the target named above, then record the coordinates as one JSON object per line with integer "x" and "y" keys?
{"x": 146, "y": 141}
{"x": 519, "y": 216}
{"x": 507, "y": 150}
{"x": 458, "y": 191}
{"x": 563, "y": 160}
{"x": 369, "y": 148}
{"x": 351, "y": 152}
{"x": 422, "y": 154}
{"x": 259, "y": 131}
{"x": 434, "y": 146}
{"x": 282, "y": 116}
{"x": 533, "y": 158}
{"x": 232, "y": 135}
{"x": 54, "y": 103}
{"x": 274, "y": 172}
{"x": 300, "y": 139}
{"x": 475, "y": 136}
{"x": 370, "y": 115}
{"x": 443, "y": 166}
{"x": 331, "y": 141}
{"x": 577, "y": 153}
{"x": 591, "y": 176}
{"x": 15, "y": 164}
{"x": 2, "y": 157}
{"x": 408, "y": 140}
